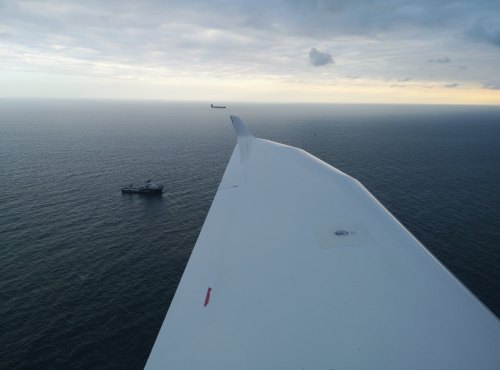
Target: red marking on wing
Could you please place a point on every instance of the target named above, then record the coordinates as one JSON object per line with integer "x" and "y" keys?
{"x": 207, "y": 297}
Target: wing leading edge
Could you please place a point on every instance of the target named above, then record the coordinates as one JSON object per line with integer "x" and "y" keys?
{"x": 298, "y": 266}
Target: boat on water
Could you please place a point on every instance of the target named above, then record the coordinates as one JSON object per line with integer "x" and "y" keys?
{"x": 217, "y": 106}
{"x": 148, "y": 188}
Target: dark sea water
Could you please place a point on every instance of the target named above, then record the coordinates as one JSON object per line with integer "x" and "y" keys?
{"x": 87, "y": 274}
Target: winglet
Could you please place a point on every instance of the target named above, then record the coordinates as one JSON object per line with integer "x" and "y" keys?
{"x": 240, "y": 128}
{"x": 244, "y": 138}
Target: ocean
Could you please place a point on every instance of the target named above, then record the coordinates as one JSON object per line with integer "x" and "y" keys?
{"x": 87, "y": 274}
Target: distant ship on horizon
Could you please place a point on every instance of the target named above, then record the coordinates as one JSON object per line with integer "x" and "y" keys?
{"x": 217, "y": 106}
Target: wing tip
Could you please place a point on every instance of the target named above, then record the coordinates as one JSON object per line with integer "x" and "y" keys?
{"x": 240, "y": 128}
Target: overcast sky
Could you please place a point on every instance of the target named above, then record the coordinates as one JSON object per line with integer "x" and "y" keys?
{"x": 298, "y": 50}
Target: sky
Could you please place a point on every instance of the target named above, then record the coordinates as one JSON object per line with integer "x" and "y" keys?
{"x": 324, "y": 51}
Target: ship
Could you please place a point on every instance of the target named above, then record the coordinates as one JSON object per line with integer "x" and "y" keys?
{"x": 148, "y": 188}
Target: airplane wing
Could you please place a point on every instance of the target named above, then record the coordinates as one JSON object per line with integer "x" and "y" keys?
{"x": 298, "y": 266}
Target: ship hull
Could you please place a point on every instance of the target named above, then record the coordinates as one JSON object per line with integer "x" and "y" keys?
{"x": 142, "y": 191}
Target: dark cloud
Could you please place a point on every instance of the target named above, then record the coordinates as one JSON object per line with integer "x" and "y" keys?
{"x": 486, "y": 29}
{"x": 439, "y": 60}
{"x": 318, "y": 58}
{"x": 451, "y": 86}
{"x": 372, "y": 18}
{"x": 492, "y": 85}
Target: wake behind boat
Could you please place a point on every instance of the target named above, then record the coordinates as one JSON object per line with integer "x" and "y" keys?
{"x": 148, "y": 188}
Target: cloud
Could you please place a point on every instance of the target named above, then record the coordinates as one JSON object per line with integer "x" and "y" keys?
{"x": 233, "y": 40}
{"x": 486, "y": 29}
{"x": 318, "y": 58}
{"x": 439, "y": 60}
{"x": 6, "y": 36}
{"x": 491, "y": 85}
{"x": 451, "y": 86}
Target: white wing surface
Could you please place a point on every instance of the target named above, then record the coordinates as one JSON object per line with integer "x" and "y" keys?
{"x": 298, "y": 266}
